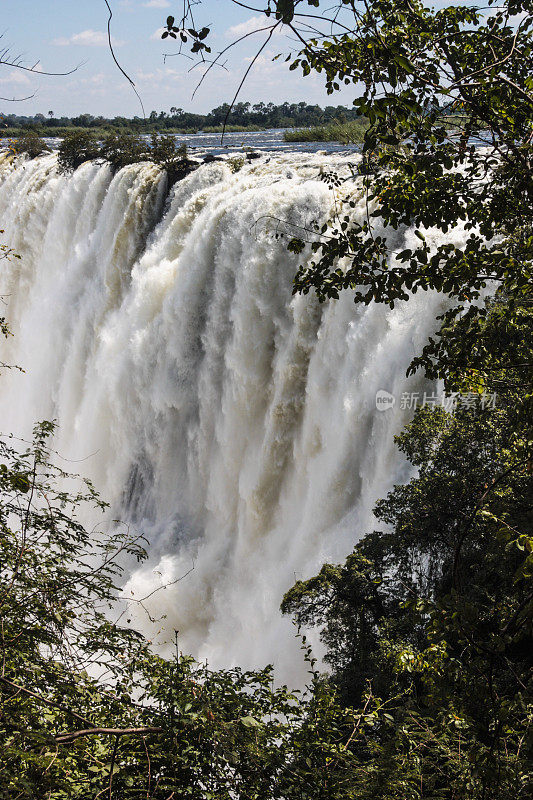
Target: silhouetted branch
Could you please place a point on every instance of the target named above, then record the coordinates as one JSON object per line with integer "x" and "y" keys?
{"x": 130, "y": 81}
{"x": 241, "y": 84}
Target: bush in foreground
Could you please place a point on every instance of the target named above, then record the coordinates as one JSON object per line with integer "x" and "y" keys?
{"x": 434, "y": 612}
{"x": 87, "y": 709}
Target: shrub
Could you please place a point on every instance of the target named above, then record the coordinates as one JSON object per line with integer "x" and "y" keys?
{"x": 235, "y": 163}
{"x": 121, "y": 149}
{"x": 87, "y": 709}
{"x": 75, "y": 149}
{"x": 29, "y": 144}
{"x": 165, "y": 151}
{"x": 171, "y": 156}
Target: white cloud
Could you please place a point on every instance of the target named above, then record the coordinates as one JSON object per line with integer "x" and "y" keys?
{"x": 88, "y": 38}
{"x": 15, "y": 76}
{"x": 95, "y": 80}
{"x": 157, "y": 4}
{"x": 264, "y": 64}
{"x": 252, "y": 24}
{"x": 156, "y": 35}
{"x": 159, "y": 76}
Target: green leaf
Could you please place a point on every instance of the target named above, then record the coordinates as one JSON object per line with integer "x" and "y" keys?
{"x": 251, "y": 722}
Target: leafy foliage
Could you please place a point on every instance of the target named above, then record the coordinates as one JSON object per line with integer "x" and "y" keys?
{"x": 75, "y": 149}
{"x": 447, "y": 92}
{"x": 121, "y": 149}
{"x": 29, "y": 144}
{"x": 435, "y": 613}
{"x": 184, "y": 34}
{"x": 171, "y": 156}
{"x": 88, "y": 709}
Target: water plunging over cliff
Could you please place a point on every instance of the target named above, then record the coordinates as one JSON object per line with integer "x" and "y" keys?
{"x": 231, "y": 423}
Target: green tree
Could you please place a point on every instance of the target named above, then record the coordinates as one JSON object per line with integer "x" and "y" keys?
{"x": 171, "y": 156}
{"x": 449, "y": 97}
{"x": 121, "y": 149}
{"x": 75, "y": 149}
{"x": 30, "y": 144}
{"x": 435, "y": 613}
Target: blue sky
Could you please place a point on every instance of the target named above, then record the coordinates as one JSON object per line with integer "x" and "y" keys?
{"x": 61, "y": 34}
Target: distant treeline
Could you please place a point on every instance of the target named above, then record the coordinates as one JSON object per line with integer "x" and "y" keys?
{"x": 243, "y": 115}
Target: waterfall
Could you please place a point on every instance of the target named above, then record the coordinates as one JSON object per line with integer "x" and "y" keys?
{"x": 232, "y": 424}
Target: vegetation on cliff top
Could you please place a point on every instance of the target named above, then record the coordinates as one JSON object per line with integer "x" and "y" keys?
{"x": 121, "y": 149}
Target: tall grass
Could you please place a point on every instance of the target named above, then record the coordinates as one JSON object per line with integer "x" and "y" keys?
{"x": 343, "y": 132}
{"x": 231, "y": 128}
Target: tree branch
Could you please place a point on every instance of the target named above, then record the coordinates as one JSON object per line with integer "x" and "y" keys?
{"x": 45, "y": 700}
{"x": 64, "y": 738}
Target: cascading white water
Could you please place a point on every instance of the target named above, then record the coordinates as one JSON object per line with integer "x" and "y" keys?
{"x": 231, "y": 423}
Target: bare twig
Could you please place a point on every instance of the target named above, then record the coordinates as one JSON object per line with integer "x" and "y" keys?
{"x": 241, "y": 84}
{"x": 130, "y": 81}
